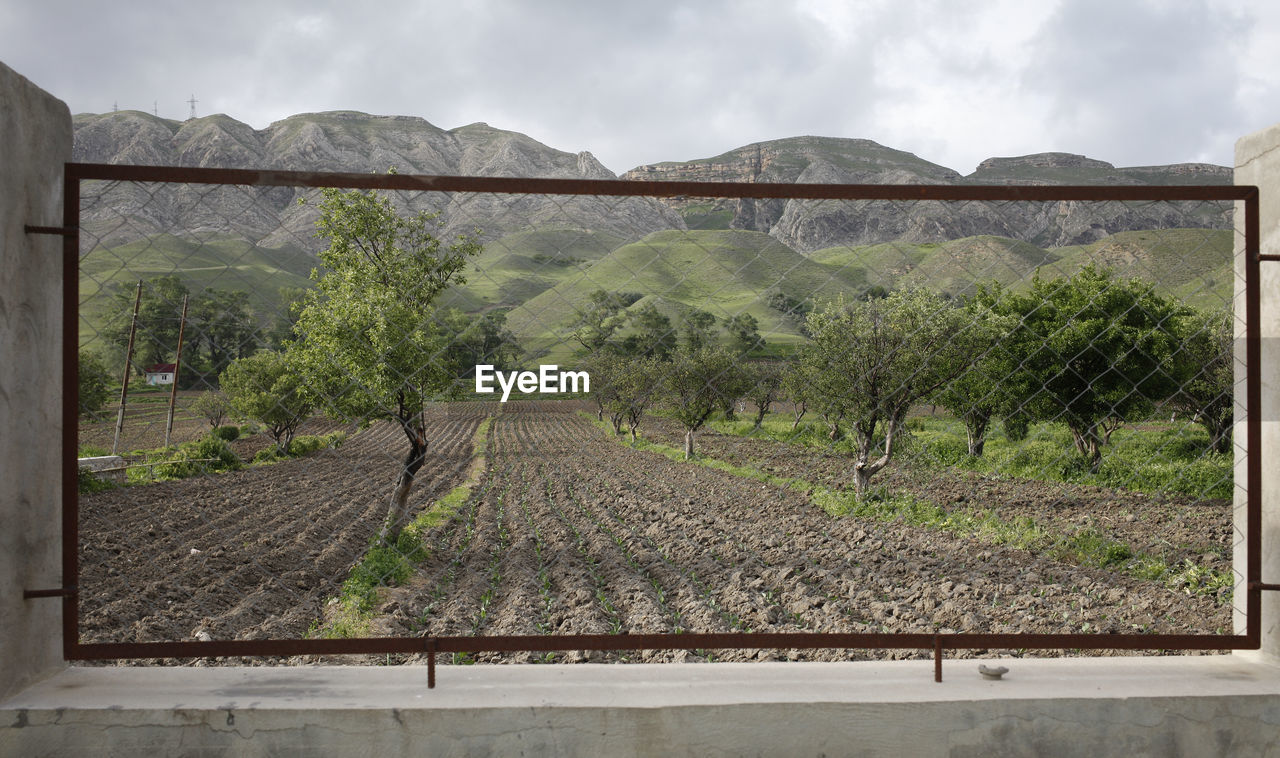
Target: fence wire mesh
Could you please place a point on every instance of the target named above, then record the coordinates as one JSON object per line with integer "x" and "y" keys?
{"x": 881, "y": 421}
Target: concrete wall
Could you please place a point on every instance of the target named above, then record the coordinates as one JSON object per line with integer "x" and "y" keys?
{"x": 1258, "y": 163}
{"x": 35, "y": 142}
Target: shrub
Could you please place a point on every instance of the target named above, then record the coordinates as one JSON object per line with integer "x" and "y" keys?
{"x": 196, "y": 458}
{"x": 87, "y": 483}
{"x": 227, "y": 433}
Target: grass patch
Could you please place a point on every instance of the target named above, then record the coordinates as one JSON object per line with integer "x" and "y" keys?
{"x": 351, "y": 613}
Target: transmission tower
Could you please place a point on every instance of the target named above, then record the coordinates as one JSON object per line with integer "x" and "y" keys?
{"x": 192, "y": 102}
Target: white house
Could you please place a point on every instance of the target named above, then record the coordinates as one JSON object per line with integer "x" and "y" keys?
{"x": 161, "y": 373}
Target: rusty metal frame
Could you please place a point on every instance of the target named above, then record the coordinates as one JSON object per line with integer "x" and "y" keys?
{"x": 73, "y": 649}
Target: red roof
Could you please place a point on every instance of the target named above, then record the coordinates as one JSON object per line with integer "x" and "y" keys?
{"x": 162, "y": 368}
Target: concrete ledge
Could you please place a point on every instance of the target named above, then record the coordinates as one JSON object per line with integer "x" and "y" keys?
{"x": 1193, "y": 706}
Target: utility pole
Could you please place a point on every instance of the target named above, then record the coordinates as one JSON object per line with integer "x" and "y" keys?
{"x": 128, "y": 364}
{"x": 177, "y": 369}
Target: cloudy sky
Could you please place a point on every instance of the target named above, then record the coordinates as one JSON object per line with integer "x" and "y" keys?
{"x": 1127, "y": 81}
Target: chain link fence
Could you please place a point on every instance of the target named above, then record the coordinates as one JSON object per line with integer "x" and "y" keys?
{"x": 544, "y": 420}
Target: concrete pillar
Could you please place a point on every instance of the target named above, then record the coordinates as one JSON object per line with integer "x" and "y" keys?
{"x": 1258, "y": 163}
{"x": 35, "y": 140}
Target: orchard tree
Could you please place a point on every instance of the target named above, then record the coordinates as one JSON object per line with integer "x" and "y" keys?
{"x": 603, "y": 314}
{"x": 638, "y": 384}
{"x": 213, "y": 407}
{"x": 993, "y": 384}
{"x": 878, "y": 357}
{"x": 810, "y": 385}
{"x": 764, "y": 386}
{"x": 267, "y": 387}
{"x": 606, "y": 370}
{"x": 695, "y": 379}
{"x": 368, "y": 339}
{"x": 1096, "y": 349}
{"x": 1203, "y": 362}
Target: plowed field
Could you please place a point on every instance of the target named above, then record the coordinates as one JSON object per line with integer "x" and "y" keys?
{"x": 570, "y": 532}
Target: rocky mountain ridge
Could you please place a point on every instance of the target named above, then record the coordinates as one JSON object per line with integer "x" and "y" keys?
{"x": 357, "y": 142}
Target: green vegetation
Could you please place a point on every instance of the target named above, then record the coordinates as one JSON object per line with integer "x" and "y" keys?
{"x": 720, "y": 272}
{"x": 1157, "y": 458}
{"x": 267, "y": 387}
{"x": 220, "y": 263}
{"x": 871, "y": 361}
{"x": 94, "y": 384}
{"x": 367, "y": 347}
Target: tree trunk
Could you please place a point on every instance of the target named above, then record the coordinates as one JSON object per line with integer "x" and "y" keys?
{"x": 688, "y": 445}
{"x": 976, "y": 430}
{"x": 1219, "y": 433}
{"x": 1089, "y": 444}
{"x": 761, "y": 410}
{"x": 398, "y": 510}
{"x": 861, "y": 480}
{"x": 799, "y": 414}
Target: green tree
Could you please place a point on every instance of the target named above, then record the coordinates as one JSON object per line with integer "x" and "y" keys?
{"x": 698, "y": 325}
{"x": 369, "y": 343}
{"x": 693, "y": 387}
{"x": 636, "y": 382}
{"x": 267, "y": 387}
{"x": 159, "y": 316}
{"x": 1203, "y": 362}
{"x": 744, "y": 333}
{"x": 222, "y": 323}
{"x": 606, "y": 371}
{"x": 476, "y": 340}
{"x": 213, "y": 407}
{"x": 1097, "y": 351}
{"x": 879, "y": 357}
{"x": 992, "y": 384}
{"x": 603, "y": 315}
{"x": 764, "y": 381}
{"x": 654, "y": 335}
{"x": 94, "y": 384}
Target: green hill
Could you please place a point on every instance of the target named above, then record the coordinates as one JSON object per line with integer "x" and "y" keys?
{"x": 720, "y": 271}
{"x": 1193, "y": 265}
{"x": 523, "y": 265}
{"x": 544, "y": 276}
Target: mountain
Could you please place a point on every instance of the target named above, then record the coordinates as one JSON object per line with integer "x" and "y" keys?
{"x": 810, "y": 225}
{"x": 337, "y": 141}
{"x": 543, "y": 255}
